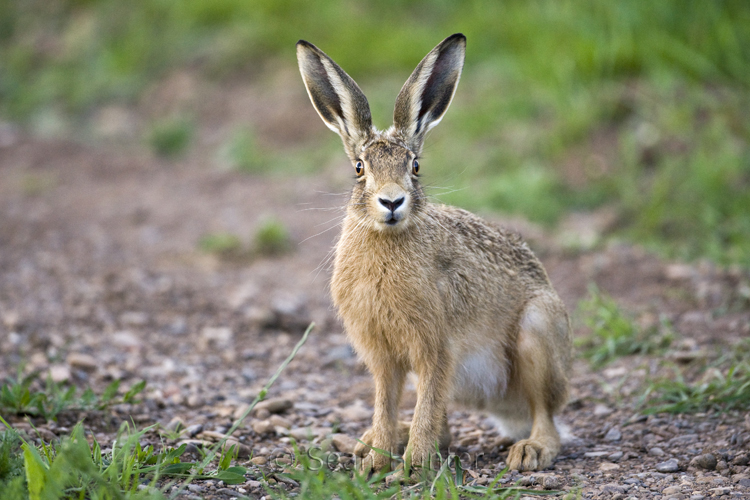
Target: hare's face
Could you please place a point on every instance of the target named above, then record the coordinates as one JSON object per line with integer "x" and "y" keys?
{"x": 387, "y": 192}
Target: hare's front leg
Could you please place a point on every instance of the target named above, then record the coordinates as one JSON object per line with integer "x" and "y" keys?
{"x": 429, "y": 427}
{"x": 384, "y": 434}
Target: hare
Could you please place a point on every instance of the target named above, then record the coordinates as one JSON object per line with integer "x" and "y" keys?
{"x": 434, "y": 289}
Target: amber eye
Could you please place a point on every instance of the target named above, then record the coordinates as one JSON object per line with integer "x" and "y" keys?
{"x": 415, "y": 167}
{"x": 359, "y": 167}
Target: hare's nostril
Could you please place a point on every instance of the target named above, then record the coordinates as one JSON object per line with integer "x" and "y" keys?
{"x": 391, "y": 205}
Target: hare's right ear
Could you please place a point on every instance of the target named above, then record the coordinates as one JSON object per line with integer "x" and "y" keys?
{"x": 428, "y": 92}
{"x": 337, "y": 98}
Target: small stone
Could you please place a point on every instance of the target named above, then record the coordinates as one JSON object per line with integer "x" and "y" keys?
{"x": 601, "y": 410}
{"x": 613, "y": 488}
{"x": 254, "y": 485}
{"x": 721, "y": 491}
{"x": 613, "y": 434}
{"x": 274, "y": 405}
{"x": 357, "y": 411}
{"x": 193, "y": 430}
{"x": 134, "y": 318}
{"x": 697, "y": 497}
{"x": 671, "y": 490}
{"x": 615, "y": 457}
{"x": 551, "y": 482}
{"x": 279, "y": 421}
{"x": 263, "y": 427}
{"x": 595, "y": 454}
{"x": 606, "y": 466}
{"x": 344, "y": 443}
{"x": 306, "y": 433}
{"x": 262, "y": 413}
{"x": 59, "y": 373}
{"x": 706, "y": 461}
{"x": 744, "y": 482}
{"x": 722, "y": 465}
{"x": 259, "y": 460}
{"x": 656, "y": 452}
{"x": 670, "y": 465}
{"x": 175, "y": 424}
{"x": 82, "y": 361}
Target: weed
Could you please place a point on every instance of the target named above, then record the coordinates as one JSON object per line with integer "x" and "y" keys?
{"x": 17, "y": 396}
{"x": 449, "y": 480}
{"x": 244, "y": 154}
{"x": 724, "y": 385}
{"x": 170, "y": 138}
{"x": 223, "y": 244}
{"x": 614, "y": 334}
{"x": 272, "y": 237}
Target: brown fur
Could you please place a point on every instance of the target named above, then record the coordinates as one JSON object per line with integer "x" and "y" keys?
{"x": 433, "y": 289}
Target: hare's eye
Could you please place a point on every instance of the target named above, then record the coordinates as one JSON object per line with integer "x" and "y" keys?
{"x": 415, "y": 167}
{"x": 359, "y": 167}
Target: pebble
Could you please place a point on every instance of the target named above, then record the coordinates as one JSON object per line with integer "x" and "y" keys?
{"x": 606, "y": 466}
{"x": 615, "y": 457}
{"x": 551, "y": 482}
{"x": 344, "y": 443}
{"x": 671, "y": 490}
{"x": 670, "y": 465}
{"x": 259, "y": 460}
{"x": 194, "y": 430}
{"x": 82, "y": 361}
{"x": 706, "y": 461}
{"x": 274, "y": 405}
{"x": 263, "y": 427}
{"x": 613, "y": 434}
{"x": 279, "y": 421}
{"x": 656, "y": 452}
{"x": 613, "y": 488}
{"x": 305, "y": 433}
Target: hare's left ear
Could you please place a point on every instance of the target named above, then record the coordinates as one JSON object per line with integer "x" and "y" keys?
{"x": 336, "y": 96}
{"x": 428, "y": 92}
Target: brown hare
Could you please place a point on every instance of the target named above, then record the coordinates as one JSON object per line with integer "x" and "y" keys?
{"x": 433, "y": 289}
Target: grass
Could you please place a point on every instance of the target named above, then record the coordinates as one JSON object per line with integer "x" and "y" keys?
{"x": 272, "y": 237}
{"x": 723, "y": 384}
{"x": 614, "y": 334}
{"x": 564, "y": 105}
{"x": 449, "y": 481}
{"x": 73, "y": 468}
{"x": 19, "y": 397}
{"x": 170, "y": 138}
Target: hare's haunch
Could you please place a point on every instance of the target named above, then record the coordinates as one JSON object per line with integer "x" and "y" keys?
{"x": 434, "y": 289}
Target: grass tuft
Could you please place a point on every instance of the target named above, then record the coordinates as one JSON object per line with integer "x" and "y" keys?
{"x": 170, "y": 138}
{"x": 613, "y": 334}
{"x": 272, "y": 237}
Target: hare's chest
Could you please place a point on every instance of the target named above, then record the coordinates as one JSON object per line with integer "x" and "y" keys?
{"x": 382, "y": 299}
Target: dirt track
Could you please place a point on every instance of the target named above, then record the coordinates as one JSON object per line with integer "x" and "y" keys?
{"x": 101, "y": 278}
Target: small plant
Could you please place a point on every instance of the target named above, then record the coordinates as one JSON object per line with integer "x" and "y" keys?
{"x": 17, "y": 396}
{"x": 170, "y": 138}
{"x": 222, "y": 244}
{"x": 614, "y": 334}
{"x": 724, "y": 385}
{"x": 272, "y": 237}
{"x": 244, "y": 153}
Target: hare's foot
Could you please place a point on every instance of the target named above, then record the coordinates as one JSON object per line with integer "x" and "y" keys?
{"x": 531, "y": 454}
{"x": 424, "y": 453}
{"x": 361, "y": 450}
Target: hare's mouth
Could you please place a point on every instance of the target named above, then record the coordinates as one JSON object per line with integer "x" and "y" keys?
{"x": 391, "y": 220}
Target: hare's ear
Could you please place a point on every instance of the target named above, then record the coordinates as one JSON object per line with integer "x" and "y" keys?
{"x": 337, "y": 98}
{"x": 428, "y": 92}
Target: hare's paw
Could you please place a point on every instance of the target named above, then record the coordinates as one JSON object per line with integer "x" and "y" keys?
{"x": 361, "y": 450}
{"x": 375, "y": 461}
{"x": 530, "y": 454}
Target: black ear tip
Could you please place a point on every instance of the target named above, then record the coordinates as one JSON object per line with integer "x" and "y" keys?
{"x": 456, "y": 37}
{"x": 304, "y": 43}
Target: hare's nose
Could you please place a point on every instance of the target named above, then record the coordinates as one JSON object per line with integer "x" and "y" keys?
{"x": 391, "y": 205}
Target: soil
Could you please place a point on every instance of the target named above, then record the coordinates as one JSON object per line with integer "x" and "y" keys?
{"x": 102, "y": 278}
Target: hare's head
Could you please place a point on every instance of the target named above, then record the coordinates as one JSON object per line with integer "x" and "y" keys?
{"x": 386, "y": 164}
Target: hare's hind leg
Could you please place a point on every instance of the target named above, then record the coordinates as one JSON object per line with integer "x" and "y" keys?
{"x": 361, "y": 450}
{"x": 542, "y": 356}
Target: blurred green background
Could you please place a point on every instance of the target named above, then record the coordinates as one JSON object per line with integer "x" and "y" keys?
{"x": 636, "y": 109}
